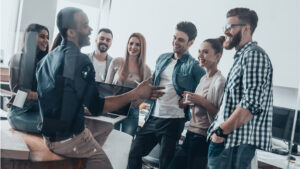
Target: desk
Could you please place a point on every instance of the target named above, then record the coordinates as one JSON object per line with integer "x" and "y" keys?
{"x": 277, "y": 160}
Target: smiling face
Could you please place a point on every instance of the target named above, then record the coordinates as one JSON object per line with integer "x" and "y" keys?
{"x": 134, "y": 46}
{"x": 207, "y": 56}
{"x": 234, "y": 34}
{"x": 83, "y": 29}
{"x": 103, "y": 41}
{"x": 43, "y": 40}
{"x": 181, "y": 42}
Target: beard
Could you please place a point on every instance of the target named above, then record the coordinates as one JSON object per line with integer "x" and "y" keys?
{"x": 235, "y": 40}
{"x": 102, "y": 50}
{"x": 83, "y": 39}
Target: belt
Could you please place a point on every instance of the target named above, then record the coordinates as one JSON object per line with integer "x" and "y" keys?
{"x": 60, "y": 138}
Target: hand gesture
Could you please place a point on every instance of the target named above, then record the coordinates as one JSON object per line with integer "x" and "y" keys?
{"x": 145, "y": 90}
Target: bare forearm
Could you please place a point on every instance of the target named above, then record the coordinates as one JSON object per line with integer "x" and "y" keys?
{"x": 116, "y": 102}
{"x": 213, "y": 110}
{"x": 238, "y": 118}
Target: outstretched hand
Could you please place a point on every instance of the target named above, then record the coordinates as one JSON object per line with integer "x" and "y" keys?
{"x": 145, "y": 90}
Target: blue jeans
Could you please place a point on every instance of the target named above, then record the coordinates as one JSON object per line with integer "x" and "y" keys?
{"x": 192, "y": 154}
{"x": 25, "y": 119}
{"x": 238, "y": 157}
{"x": 130, "y": 124}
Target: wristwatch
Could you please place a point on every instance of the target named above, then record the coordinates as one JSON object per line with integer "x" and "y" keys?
{"x": 219, "y": 133}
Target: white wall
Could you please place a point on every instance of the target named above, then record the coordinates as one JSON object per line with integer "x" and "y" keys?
{"x": 37, "y": 11}
{"x": 8, "y": 29}
{"x": 278, "y": 30}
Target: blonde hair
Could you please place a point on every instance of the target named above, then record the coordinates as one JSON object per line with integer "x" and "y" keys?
{"x": 141, "y": 58}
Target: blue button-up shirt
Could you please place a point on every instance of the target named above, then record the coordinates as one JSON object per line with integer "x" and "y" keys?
{"x": 186, "y": 75}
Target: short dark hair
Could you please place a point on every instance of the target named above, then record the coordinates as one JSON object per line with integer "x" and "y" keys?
{"x": 216, "y": 44}
{"x": 189, "y": 28}
{"x": 65, "y": 20}
{"x": 106, "y": 30}
{"x": 246, "y": 16}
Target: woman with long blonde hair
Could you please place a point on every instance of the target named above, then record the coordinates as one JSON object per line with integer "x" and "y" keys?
{"x": 127, "y": 72}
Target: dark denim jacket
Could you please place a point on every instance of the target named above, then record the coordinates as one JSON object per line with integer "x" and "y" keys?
{"x": 66, "y": 81}
{"x": 186, "y": 75}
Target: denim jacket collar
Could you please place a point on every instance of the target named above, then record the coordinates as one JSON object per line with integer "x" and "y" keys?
{"x": 72, "y": 52}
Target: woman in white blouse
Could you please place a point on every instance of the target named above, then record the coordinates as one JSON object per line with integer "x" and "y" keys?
{"x": 129, "y": 71}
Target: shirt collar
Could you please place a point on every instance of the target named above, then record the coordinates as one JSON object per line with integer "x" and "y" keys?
{"x": 72, "y": 53}
{"x": 243, "y": 48}
{"x": 184, "y": 57}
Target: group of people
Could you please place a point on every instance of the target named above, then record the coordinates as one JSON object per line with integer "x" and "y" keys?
{"x": 229, "y": 118}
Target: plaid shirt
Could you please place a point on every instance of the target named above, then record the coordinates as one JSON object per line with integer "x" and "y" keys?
{"x": 249, "y": 85}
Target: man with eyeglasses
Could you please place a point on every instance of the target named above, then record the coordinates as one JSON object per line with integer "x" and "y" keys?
{"x": 244, "y": 122}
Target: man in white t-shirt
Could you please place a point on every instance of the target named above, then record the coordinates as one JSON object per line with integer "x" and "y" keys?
{"x": 100, "y": 59}
{"x": 177, "y": 71}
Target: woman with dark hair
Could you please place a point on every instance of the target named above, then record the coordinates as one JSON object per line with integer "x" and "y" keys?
{"x": 130, "y": 71}
{"x": 205, "y": 104}
{"x": 35, "y": 46}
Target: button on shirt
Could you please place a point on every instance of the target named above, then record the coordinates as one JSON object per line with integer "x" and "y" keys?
{"x": 249, "y": 85}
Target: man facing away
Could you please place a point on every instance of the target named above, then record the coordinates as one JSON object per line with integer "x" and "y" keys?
{"x": 244, "y": 122}
{"x": 100, "y": 58}
{"x": 78, "y": 76}
{"x": 178, "y": 72}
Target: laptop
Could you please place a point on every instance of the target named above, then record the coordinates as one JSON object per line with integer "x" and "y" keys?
{"x": 104, "y": 90}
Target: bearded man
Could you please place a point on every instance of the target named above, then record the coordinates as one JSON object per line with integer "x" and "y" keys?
{"x": 244, "y": 121}
{"x": 100, "y": 59}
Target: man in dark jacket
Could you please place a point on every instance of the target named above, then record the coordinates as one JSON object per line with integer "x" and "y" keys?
{"x": 65, "y": 132}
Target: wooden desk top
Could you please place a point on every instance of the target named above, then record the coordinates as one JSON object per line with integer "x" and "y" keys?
{"x": 25, "y": 146}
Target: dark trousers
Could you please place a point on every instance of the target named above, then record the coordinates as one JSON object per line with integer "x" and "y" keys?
{"x": 192, "y": 154}
{"x": 166, "y": 132}
{"x": 130, "y": 124}
{"x": 238, "y": 157}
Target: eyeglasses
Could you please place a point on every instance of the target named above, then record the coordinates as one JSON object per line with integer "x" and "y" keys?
{"x": 228, "y": 27}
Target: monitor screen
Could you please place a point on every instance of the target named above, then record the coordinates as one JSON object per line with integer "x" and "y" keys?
{"x": 282, "y": 125}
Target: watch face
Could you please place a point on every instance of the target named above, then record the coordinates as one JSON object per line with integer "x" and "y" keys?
{"x": 218, "y": 132}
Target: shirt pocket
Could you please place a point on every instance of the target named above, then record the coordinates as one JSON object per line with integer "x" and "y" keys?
{"x": 184, "y": 81}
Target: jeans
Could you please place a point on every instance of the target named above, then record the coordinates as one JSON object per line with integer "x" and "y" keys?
{"x": 130, "y": 124}
{"x": 25, "y": 119}
{"x": 238, "y": 157}
{"x": 192, "y": 154}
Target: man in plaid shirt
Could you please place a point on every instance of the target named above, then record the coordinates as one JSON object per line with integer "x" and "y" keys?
{"x": 244, "y": 122}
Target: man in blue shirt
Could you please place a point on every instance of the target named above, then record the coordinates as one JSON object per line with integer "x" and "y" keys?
{"x": 66, "y": 84}
{"x": 177, "y": 72}
{"x": 244, "y": 121}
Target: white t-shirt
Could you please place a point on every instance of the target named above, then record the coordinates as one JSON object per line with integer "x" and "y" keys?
{"x": 167, "y": 105}
{"x": 99, "y": 67}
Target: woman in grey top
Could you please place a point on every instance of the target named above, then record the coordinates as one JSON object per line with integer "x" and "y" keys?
{"x": 205, "y": 103}
{"x": 27, "y": 118}
{"x": 129, "y": 71}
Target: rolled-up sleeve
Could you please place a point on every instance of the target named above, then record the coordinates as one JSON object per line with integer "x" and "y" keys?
{"x": 256, "y": 69}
